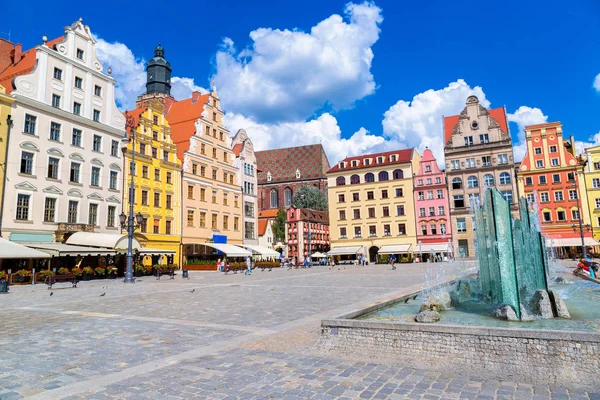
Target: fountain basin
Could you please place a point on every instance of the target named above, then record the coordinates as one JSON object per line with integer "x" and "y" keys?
{"x": 561, "y": 352}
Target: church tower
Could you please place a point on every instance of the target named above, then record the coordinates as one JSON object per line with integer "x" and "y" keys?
{"x": 158, "y": 78}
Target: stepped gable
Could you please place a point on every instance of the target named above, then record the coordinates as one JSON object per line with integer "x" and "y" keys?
{"x": 497, "y": 114}
{"x": 182, "y": 117}
{"x": 311, "y": 160}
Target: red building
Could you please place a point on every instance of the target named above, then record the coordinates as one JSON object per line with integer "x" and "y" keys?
{"x": 282, "y": 171}
{"x": 552, "y": 171}
{"x": 304, "y": 226}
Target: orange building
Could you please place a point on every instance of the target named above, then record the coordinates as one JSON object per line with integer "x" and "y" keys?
{"x": 552, "y": 172}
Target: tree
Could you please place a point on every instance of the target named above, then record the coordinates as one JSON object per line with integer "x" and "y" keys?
{"x": 278, "y": 226}
{"x": 310, "y": 197}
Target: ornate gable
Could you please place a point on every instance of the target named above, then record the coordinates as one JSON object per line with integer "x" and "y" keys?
{"x": 52, "y": 190}
{"x": 95, "y": 196}
{"x": 113, "y": 199}
{"x": 26, "y": 186}
{"x": 75, "y": 193}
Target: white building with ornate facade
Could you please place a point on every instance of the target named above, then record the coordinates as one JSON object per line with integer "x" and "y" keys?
{"x": 247, "y": 179}
{"x": 64, "y": 171}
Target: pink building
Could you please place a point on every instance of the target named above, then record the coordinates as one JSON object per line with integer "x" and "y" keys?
{"x": 432, "y": 210}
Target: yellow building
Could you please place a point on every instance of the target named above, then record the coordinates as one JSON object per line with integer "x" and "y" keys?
{"x": 371, "y": 205}
{"x": 5, "y": 111}
{"x": 591, "y": 174}
{"x": 157, "y": 182}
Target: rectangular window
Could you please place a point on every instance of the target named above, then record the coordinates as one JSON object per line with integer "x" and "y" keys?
{"x": 214, "y": 197}
{"x": 144, "y": 197}
{"x": 30, "y": 122}
{"x": 543, "y": 180}
{"x": 401, "y": 229}
{"x": 57, "y": 74}
{"x": 144, "y": 225}
{"x": 156, "y": 226}
{"x": 214, "y": 153}
{"x": 528, "y": 181}
{"x": 433, "y": 227}
{"x": 438, "y": 180}
{"x": 384, "y": 194}
{"x": 79, "y": 54}
{"x": 432, "y": 211}
{"x": 113, "y": 180}
{"x": 441, "y": 210}
{"x": 455, "y": 164}
{"x": 357, "y": 232}
{"x": 202, "y": 222}
{"x": 555, "y": 162}
{"x": 77, "y": 108}
{"x": 572, "y": 194}
{"x": 530, "y": 198}
{"x": 570, "y": 176}
{"x": 72, "y": 212}
{"x": 154, "y": 152}
{"x": 26, "y": 163}
{"x": 78, "y": 82}
{"x": 427, "y": 168}
{"x": 508, "y": 196}
{"x": 22, "y": 207}
{"x": 202, "y": 194}
{"x": 544, "y": 198}
{"x": 95, "y": 181}
{"x": 399, "y": 192}
{"x": 539, "y": 163}
{"x": 356, "y": 213}
{"x": 468, "y": 140}
{"x": 145, "y": 171}
{"x": 168, "y": 224}
{"x": 190, "y": 191}
{"x": 49, "y": 209}
{"x": 371, "y": 212}
{"x": 558, "y": 196}
{"x": 537, "y": 150}
{"x": 236, "y": 223}
{"x": 110, "y": 216}
{"x": 76, "y": 137}
{"x": 459, "y": 201}
{"x": 547, "y": 216}
{"x": 342, "y": 214}
{"x": 486, "y": 161}
{"x": 97, "y": 144}
{"x": 461, "y": 225}
{"x": 225, "y": 222}
{"x": 156, "y": 199}
{"x": 400, "y": 210}
{"x": 355, "y": 197}
{"x": 560, "y": 216}
{"x": 430, "y": 195}
{"x": 168, "y": 200}
{"x": 372, "y": 230}
{"x": 422, "y": 212}
{"x": 553, "y": 149}
{"x": 93, "y": 215}
{"x": 214, "y": 174}
{"x": 386, "y": 211}
{"x": 556, "y": 178}
{"x": 386, "y": 230}
{"x": 575, "y": 215}
{"x": 484, "y": 138}
{"x": 142, "y": 149}
{"x": 157, "y": 174}
{"x": 341, "y": 198}
{"x": 443, "y": 229}
{"x": 370, "y": 195}
{"x": 169, "y": 178}
{"x": 74, "y": 173}
{"x": 55, "y": 101}
{"x": 55, "y": 131}
{"x": 165, "y": 155}
{"x": 502, "y": 159}
{"x": 597, "y": 166}
{"x": 97, "y": 91}
{"x": 440, "y": 194}
{"x": 420, "y": 182}
{"x": 195, "y": 169}
{"x": 429, "y": 181}
{"x": 214, "y": 221}
{"x": 343, "y": 233}
{"x": 190, "y": 217}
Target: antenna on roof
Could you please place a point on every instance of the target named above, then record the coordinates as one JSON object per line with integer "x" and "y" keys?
{"x": 6, "y": 33}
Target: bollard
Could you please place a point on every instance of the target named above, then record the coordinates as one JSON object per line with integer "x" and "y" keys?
{"x": 185, "y": 274}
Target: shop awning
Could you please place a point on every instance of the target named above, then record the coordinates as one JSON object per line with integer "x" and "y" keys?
{"x": 340, "y": 251}
{"x": 394, "y": 249}
{"x": 147, "y": 251}
{"x": 262, "y": 250}
{"x": 10, "y": 249}
{"x": 61, "y": 249}
{"x": 433, "y": 248}
{"x": 570, "y": 242}
{"x": 107, "y": 240}
{"x": 318, "y": 255}
{"x": 229, "y": 249}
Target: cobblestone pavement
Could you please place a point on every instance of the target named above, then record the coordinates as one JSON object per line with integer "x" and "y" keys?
{"x": 233, "y": 337}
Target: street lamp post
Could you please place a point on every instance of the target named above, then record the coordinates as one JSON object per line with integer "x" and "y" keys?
{"x": 581, "y": 226}
{"x": 127, "y": 221}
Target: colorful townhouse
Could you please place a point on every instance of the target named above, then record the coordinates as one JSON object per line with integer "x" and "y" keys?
{"x": 6, "y": 123}
{"x": 432, "y": 209}
{"x": 245, "y": 161}
{"x": 307, "y": 232}
{"x": 591, "y": 175}
{"x": 552, "y": 171}
{"x": 65, "y": 160}
{"x": 479, "y": 154}
{"x": 371, "y": 205}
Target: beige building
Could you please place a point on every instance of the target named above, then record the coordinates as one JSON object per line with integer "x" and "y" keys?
{"x": 371, "y": 205}
{"x": 212, "y": 197}
{"x": 479, "y": 154}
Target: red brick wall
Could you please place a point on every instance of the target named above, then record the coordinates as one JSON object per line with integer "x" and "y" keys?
{"x": 264, "y": 190}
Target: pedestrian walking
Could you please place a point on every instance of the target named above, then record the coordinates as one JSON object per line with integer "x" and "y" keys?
{"x": 248, "y": 266}
{"x": 393, "y": 260}
{"x": 219, "y": 265}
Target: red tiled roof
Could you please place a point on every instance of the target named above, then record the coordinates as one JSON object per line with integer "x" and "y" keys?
{"x": 402, "y": 156}
{"x": 136, "y": 114}
{"x": 262, "y": 226}
{"x": 270, "y": 213}
{"x": 499, "y": 114}
{"x": 540, "y": 126}
{"x": 182, "y": 117}
{"x": 24, "y": 66}
{"x": 237, "y": 149}
{"x": 311, "y": 160}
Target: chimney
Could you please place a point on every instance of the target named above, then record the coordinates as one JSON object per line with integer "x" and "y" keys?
{"x": 195, "y": 96}
{"x": 573, "y": 149}
{"x": 6, "y": 54}
{"x": 17, "y": 53}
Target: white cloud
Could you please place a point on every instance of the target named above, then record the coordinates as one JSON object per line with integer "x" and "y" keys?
{"x": 323, "y": 130}
{"x": 419, "y": 123}
{"x": 592, "y": 141}
{"x": 522, "y": 117}
{"x": 287, "y": 75}
{"x": 130, "y": 73}
{"x": 597, "y": 83}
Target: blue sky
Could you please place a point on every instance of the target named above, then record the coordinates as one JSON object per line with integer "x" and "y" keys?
{"x": 358, "y": 77}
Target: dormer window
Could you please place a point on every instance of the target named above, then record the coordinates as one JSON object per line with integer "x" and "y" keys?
{"x": 393, "y": 158}
{"x": 269, "y": 176}
{"x": 79, "y": 54}
{"x": 379, "y": 160}
{"x": 298, "y": 174}
{"x": 354, "y": 163}
{"x": 341, "y": 164}
{"x": 367, "y": 161}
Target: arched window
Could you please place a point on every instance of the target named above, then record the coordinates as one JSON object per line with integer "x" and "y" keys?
{"x": 398, "y": 174}
{"x": 456, "y": 183}
{"x": 287, "y": 197}
{"x": 340, "y": 181}
{"x": 354, "y": 179}
{"x": 488, "y": 180}
{"x": 369, "y": 177}
{"x": 383, "y": 176}
{"x": 472, "y": 182}
{"x": 274, "y": 199}
{"x": 505, "y": 178}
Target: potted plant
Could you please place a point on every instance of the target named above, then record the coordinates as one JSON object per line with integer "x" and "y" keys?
{"x": 100, "y": 272}
{"x": 139, "y": 270}
{"x": 88, "y": 273}
{"x": 3, "y": 275}
{"x": 62, "y": 271}
{"x": 44, "y": 274}
{"x": 77, "y": 272}
{"x": 148, "y": 269}
{"x": 22, "y": 276}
